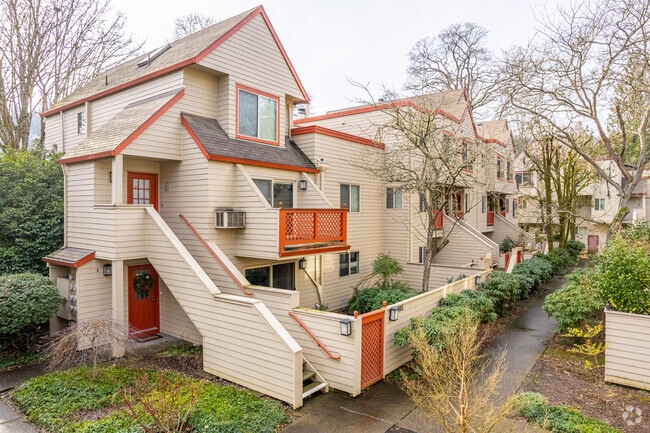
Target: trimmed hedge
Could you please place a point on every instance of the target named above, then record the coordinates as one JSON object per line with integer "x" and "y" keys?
{"x": 576, "y": 301}
{"x": 575, "y": 247}
{"x": 535, "y": 271}
{"x": 559, "y": 419}
{"x": 478, "y": 302}
{"x": 373, "y": 298}
{"x": 503, "y": 289}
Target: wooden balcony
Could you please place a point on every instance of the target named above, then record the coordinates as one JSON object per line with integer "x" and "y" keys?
{"x": 503, "y": 213}
{"x": 305, "y": 231}
{"x": 459, "y": 214}
{"x": 490, "y": 218}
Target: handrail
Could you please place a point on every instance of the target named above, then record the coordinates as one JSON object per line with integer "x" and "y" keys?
{"x": 215, "y": 256}
{"x": 314, "y": 337}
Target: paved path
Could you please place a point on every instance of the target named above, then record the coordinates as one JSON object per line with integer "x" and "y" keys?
{"x": 385, "y": 408}
{"x": 10, "y": 420}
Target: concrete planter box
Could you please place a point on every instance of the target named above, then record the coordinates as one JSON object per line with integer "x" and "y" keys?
{"x": 627, "y": 358}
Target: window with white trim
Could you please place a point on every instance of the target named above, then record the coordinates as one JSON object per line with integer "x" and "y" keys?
{"x": 509, "y": 170}
{"x": 276, "y": 192}
{"x": 393, "y": 198}
{"x": 421, "y": 254}
{"x": 349, "y": 197}
{"x": 524, "y": 178}
{"x": 81, "y": 123}
{"x": 257, "y": 116}
{"x": 423, "y": 202}
{"x": 599, "y": 204}
{"x": 483, "y": 204}
{"x": 499, "y": 167}
{"x": 349, "y": 264}
{"x": 280, "y": 276}
{"x": 467, "y": 164}
{"x": 514, "y": 208}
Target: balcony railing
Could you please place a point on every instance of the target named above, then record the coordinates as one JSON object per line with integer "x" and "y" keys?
{"x": 307, "y": 227}
{"x": 490, "y": 218}
{"x": 437, "y": 224}
{"x": 459, "y": 214}
{"x": 503, "y": 213}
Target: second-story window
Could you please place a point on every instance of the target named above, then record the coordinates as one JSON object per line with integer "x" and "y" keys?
{"x": 524, "y": 178}
{"x": 350, "y": 197}
{"x": 509, "y": 170}
{"x": 514, "y": 208}
{"x": 81, "y": 123}
{"x": 257, "y": 116}
{"x": 423, "y": 202}
{"x": 393, "y": 198}
{"x": 467, "y": 163}
{"x": 499, "y": 167}
{"x": 599, "y": 204}
{"x": 276, "y": 192}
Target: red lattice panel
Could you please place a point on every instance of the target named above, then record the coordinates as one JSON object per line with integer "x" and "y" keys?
{"x": 372, "y": 347}
{"x": 300, "y": 226}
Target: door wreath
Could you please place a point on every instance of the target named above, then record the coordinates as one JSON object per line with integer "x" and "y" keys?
{"x": 142, "y": 284}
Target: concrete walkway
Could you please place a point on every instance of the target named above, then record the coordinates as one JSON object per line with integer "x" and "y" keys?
{"x": 10, "y": 420}
{"x": 385, "y": 408}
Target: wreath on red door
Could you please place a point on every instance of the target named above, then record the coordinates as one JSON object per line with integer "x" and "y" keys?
{"x": 142, "y": 284}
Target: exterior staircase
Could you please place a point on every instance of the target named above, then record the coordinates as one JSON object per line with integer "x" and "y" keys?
{"x": 312, "y": 381}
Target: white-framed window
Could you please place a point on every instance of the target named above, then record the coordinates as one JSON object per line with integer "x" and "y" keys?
{"x": 423, "y": 202}
{"x": 581, "y": 232}
{"x": 500, "y": 167}
{"x": 507, "y": 206}
{"x": 467, "y": 205}
{"x": 524, "y": 178}
{"x": 599, "y": 204}
{"x": 421, "y": 254}
{"x": 280, "y": 276}
{"x": 467, "y": 164}
{"x": 509, "y": 170}
{"x": 393, "y": 198}
{"x": 81, "y": 122}
{"x": 483, "y": 204}
{"x": 349, "y": 197}
{"x": 257, "y": 115}
{"x": 514, "y": 208}
{"x": 349, "y": 264}
{"x": 276, "y": 192}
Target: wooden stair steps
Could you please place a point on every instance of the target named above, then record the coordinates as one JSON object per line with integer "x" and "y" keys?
{"x": 307, "y": 374}
{"x": 312, "y": 388}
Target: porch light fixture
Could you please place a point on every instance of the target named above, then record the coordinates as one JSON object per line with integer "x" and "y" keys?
{"x": 392, "y": 313}
{"x": 477, "y": 280}
{"x": 108, "y": 270}
{"x": 346, "y": 327}
{"x": 302, "y": 184}
{"x": 302, "y": 264}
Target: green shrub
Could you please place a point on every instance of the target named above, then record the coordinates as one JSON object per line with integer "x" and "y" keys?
{"x": 26, "y": 302}
{"x": 576, "y": 301}
{"x": 503, "y": 289}
{"x": 478, "y": 302}
{"x": 559, "y": 419}
{"x": 386, "y": 268}
{"x": 623, "y": 275}
{"x": 443, "y": 319}
{"x": 575, "y": 247}
{"x": 372, "y": 299}
{"x": 31, "y": 210}
{"x": 457, "y": 278}
{"x": 506, "y": 244}
{"x": 537, "y": 269}
{"x": 560, "y": 259}
{"x": 638, "y": 231}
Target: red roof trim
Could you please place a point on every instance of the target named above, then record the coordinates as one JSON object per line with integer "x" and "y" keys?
{"x": 315, "y": 129}
{"x": 120, "y": 147}
{"x": 76, "y": 264}
{"x": 352, "y": 111}
{"x": 198, "y": 58}
{"x": 241, "y": 160}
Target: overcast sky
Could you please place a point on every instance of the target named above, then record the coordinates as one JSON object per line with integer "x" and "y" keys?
{"x": 331, "y": 41}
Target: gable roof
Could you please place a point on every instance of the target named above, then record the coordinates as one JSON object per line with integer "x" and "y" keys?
{"x": 124, "y": 127}
{"x": 183, "y": 52}
{"x": 215, "y": 145}
{"x": 495, "y": 131}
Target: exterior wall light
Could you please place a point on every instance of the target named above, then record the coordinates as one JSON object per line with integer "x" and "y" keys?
{"x": 477, "y": 280}
{"x": 393, "y": 313}
{"x": 302, "y": 264}
{"x": 108, "y": 270}
{"x": 346, "y": 327}
{"x": 302, "y": 184}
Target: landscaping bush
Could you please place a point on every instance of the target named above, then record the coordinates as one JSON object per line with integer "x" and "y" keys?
{"x": 26, "y": 302}
{"x": 31, "y": 210}
{"x": 372, "y": 299}
{"x": 443, "y": 320}
{"x": 559, "y": 419}
{"x": 503, "y": 289}
{"x": 576, "y": 301}
{"x": 623, "y": 274}
{"x": 575, "y": 247}
{"x": 478, "y": 302}
{"x": 456, "y": 278}
{"x": 560, "y": 259}
{"x": 385, "y": 267}
{"x": 537, "y": 269}
{"x": 506, "y": 244}
{"x": 55, "y": 402}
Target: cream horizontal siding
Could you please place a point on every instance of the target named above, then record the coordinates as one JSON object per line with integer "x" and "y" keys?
{"x": 93, "y": 292}
{"x": 504, "y": 227}
{"x": 173, "y": 320}
{"x": 161, "y": 140}
{"x": 627, "y": 357}
{"x": 242, "y": 341}
{"x": 251, "y": 57}
{"x": 200, "y": 92}
{"x": 418, "y": 306}
{"x": 465, "y": 244}
{"x": 102, "y": 181}
{"x": 53, "y": 133}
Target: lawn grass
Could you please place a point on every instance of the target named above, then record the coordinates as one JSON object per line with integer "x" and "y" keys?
{"x": 62, "y": 401}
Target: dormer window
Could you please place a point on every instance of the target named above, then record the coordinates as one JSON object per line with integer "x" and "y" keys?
{"x": 257, "y": 115}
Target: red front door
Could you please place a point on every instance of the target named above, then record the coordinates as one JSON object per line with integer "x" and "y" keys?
{"x": 592, "y": 244}
{"x": 144, "y": 315}
{"x": 142, "y": 188}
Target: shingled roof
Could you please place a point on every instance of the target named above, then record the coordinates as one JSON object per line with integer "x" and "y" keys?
{"x": 70, "y": 257}
{"x": 495, "y": 130}
{"x": 181, "y": 53}
{"x": 216, "y": 145}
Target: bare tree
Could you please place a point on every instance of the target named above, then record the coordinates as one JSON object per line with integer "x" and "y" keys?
{"x": 191, "y": 23}
{"x": 426, "y": 157}
{"x": 48, "y": 49}
{"x": 457, "y": 58}
{"x": 587, "y": 62}
{"x": 458, "y": 385}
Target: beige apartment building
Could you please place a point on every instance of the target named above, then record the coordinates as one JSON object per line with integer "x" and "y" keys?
{"x": 197, "y": 208}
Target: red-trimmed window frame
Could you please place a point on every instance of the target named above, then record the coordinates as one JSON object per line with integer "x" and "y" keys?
{"x": 503, "y": 160}
{"x": 239, "y": 87}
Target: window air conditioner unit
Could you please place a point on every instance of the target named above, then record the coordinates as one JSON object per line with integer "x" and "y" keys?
{"x": 230, "y": 219}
